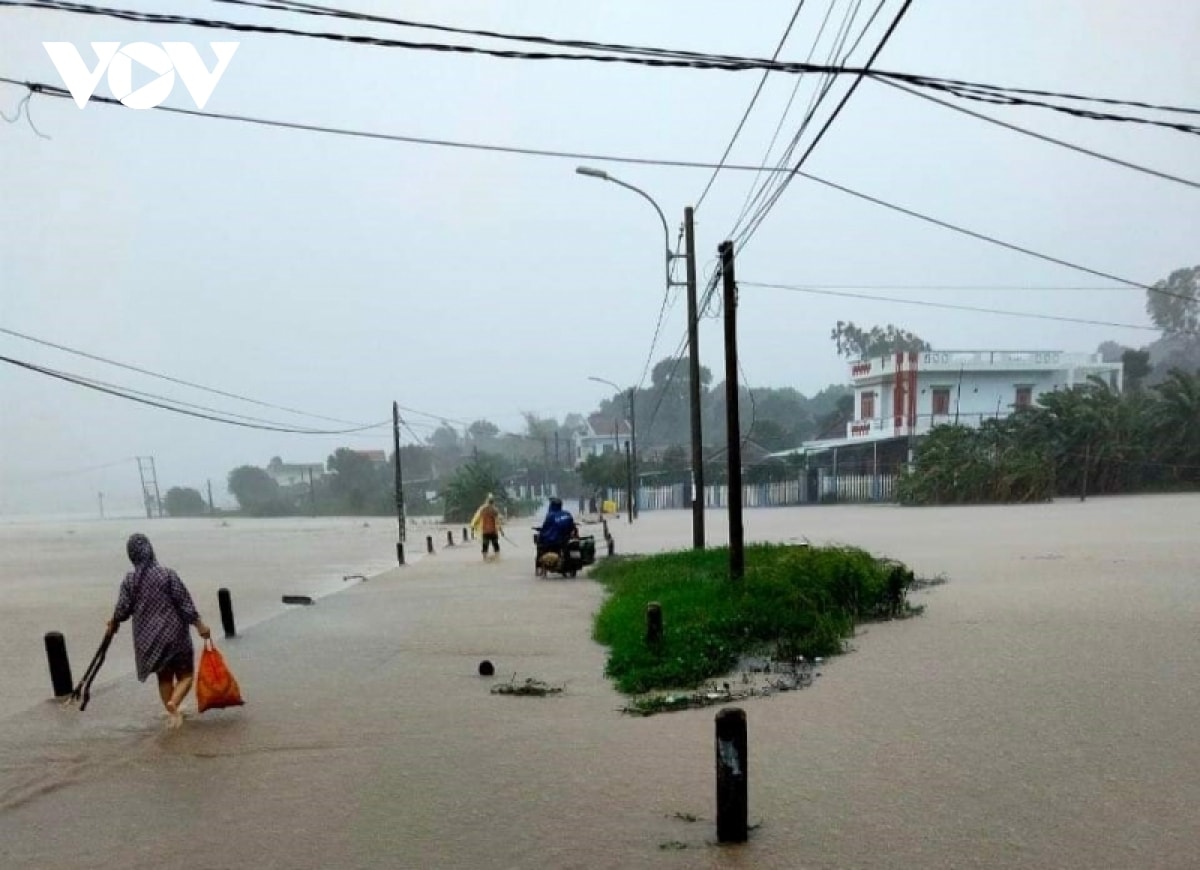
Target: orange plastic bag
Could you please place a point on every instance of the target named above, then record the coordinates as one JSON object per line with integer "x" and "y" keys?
{"x": 215, "y": 684}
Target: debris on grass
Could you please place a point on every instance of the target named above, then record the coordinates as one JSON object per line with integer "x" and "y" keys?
{"x": 760, "y": 678}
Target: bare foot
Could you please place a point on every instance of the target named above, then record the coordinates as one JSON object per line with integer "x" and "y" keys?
{"x": 174, "y": 716}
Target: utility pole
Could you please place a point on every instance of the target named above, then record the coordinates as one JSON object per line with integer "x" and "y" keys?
{"x": 556, "y": 459}
{"x": 633, "y": 506}
{"x": 693, "y": 316}
{"x": 101, "y": 496}
{"x": 399, "y": 483}
{"x": 312, "y": 493}
{"x": 211, "y": 509}
{"x": 629, "y": 482}
{"x": 733, "y": 429}
{"x": 545, "y": 466}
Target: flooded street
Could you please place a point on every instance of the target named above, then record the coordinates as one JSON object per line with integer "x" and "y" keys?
{"x": 1042, "y": 713}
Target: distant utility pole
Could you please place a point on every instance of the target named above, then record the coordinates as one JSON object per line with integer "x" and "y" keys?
{"x": 693, "y": 316}
{"x": 399, "y": 483}
{"x": 556, "y": 459}
{"x": 633, "y": 478}
{"x": 101, "y": 496}
{"x": 312, "y": 492}
{"x": 212, "y": 509}
{"x": 629, "y": 481}
{"x": 149, "y": 476}
{"x": 733, "y": 429}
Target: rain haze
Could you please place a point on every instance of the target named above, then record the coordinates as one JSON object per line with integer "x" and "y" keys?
{"x": 335, "y": 275}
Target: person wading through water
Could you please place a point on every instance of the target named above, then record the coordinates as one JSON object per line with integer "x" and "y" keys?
{"x": 487, "y": 520}
{"x": 162, "y": 610}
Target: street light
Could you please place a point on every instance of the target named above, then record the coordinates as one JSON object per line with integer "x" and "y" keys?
{"x": 591, "y": 172}
{"x": 631, "y": 448}
{"x": 689, "y": 258}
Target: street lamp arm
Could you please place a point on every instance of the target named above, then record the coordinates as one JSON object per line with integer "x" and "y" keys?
{"x": 662, "y": 217}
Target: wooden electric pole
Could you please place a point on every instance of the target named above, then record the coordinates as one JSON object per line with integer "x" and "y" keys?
{"x": 733, "y": 429}
{"x": 694, "y": 385}
{"x": 399, "y": 483}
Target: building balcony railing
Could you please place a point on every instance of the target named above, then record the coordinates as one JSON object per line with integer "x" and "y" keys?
{"x": 887, "y": 427}
{"x": 975, "y": 360}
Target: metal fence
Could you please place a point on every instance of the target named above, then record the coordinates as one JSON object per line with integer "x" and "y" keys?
{"x": 847, "y": 488}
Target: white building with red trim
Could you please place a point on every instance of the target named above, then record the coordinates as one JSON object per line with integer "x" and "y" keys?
{"x": 909, "y": 393}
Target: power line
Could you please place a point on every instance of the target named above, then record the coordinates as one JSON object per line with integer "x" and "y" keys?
{"x": 162, "y": 377}
{"x": 61, "y": 93}
{"x": 757, "y": 221}
{"x": 746, "y": 114}
{"x": 943, "y": 305}
{"x": 1026, "y": 132}
{"x": 57, "y": 92}
{"x": 820, "y": 92}
{"x": 653, "y": 57}
{"x": 990, "y": 239}
{"x": 786, "y": 110}
{"x": 120, "y": 393}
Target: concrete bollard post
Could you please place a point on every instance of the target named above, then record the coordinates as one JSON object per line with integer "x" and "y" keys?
{"x": 606, "y": 534}
{"x": 466, "y": 535}
{"x": 449, "y": 537}
{"x": 226, "y": 605}
{"x": 612, "y": 546}
{"x": 60, "y": 665}
{"x": 654, "y": 624}
{"x": 732, "y": 779}
{"x": 429, "y": 544}
{"x": 400, "y": 552}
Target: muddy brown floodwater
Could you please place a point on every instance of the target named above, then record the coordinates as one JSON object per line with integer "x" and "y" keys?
{"x": 1042, "y": 713}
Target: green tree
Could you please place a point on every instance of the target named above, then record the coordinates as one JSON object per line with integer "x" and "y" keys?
{"x": 854, "y": 342}
{"x": 255, "y": 490}
{"x": 357, "y": 484}
{"x": 1174, "y": 303}
{"x": 183, "y": 501}
{"x": 1176, "y": 423}
{"x": 604, "y": 472}
{"x": 470, "y": 485}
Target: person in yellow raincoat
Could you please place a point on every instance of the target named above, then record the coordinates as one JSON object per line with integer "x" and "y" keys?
{"x": 488, "y": 522}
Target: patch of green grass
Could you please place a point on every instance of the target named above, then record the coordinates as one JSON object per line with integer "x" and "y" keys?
{"x": 793, "y": 601}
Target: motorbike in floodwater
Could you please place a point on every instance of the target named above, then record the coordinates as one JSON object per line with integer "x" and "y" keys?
{"x": 567, "y": 560}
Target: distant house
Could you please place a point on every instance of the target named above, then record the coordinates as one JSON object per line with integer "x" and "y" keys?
{"x": 294, "y": 473}
{"x": 379, "y": 457}
{"x": 601, "y": 435}
{"x": 903, "y": 395}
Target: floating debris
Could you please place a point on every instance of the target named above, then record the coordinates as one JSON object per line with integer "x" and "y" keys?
{"x": 760, "y": 678}
{"x": 531, "y": 686}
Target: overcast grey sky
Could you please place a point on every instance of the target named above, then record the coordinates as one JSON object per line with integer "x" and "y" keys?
{"x": 334, "y": 275}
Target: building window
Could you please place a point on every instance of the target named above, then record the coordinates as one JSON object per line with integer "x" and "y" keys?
{"x": 868, "y": 406}
{"x": 1024, "y": 397}
{"x": 941, "y": 401}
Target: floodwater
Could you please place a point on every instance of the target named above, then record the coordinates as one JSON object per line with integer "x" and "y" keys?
{"x": 64, "y": 576}
{"x": 1042, "y": 713}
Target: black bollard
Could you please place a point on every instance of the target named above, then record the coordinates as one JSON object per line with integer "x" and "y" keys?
{"x": 399, "y": 552}
{"x": 466, "y": 535}
{"x": 60, "y": 665}
{"x": 654, "y": 624}
{"x": 732, "y": 791}
{"x": 606, "y": 534}
{"x": 449, "y": 537}
{"x": 429, "y": 544}
{"x": 612, "y": 546}
{"x": 486, "y": 668}
{"x": 226, "y": 605}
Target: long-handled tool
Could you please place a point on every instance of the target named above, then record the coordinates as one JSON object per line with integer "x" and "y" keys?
{"x": 83, "y": 692}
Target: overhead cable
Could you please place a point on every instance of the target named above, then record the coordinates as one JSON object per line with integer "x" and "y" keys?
{"x": 924, "y": 303}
